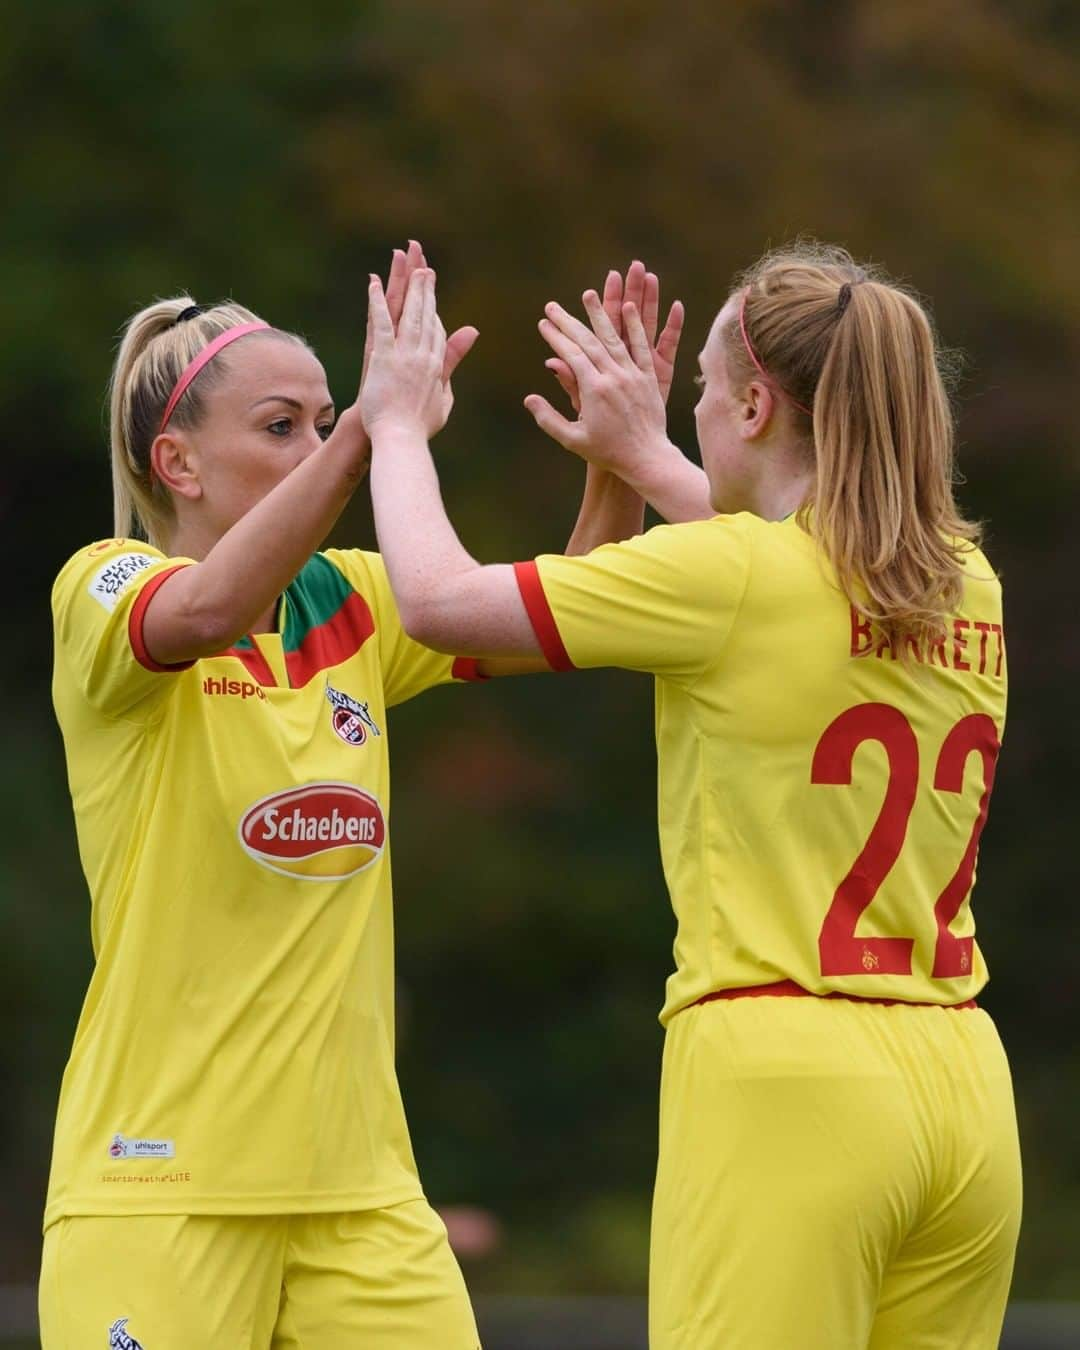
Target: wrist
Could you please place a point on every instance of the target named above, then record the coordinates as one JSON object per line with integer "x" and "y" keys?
{"x": 650, "y": 467}
{"x": 397, "y": 429}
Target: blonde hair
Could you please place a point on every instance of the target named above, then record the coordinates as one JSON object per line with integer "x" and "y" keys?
{"x": 860, "y": 352}
{"x": 154, "y": 350}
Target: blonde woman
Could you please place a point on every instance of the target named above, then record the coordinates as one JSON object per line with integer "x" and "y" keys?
{"x": 838, "y": 1160}
{"x": 231, "y": 1164}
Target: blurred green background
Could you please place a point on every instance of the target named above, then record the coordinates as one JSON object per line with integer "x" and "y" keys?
{"x": 276, "y": 152}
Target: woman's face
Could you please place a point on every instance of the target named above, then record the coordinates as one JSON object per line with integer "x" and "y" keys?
{"x": 271, "y": 410}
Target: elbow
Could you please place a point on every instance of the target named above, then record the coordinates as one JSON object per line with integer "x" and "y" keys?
{"x": 211, "y": 627}
{"x": 425, "y": 623}
{"x": 214, "y": 631}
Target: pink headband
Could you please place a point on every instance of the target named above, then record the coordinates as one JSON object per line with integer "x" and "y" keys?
{"x": 754, "y": 357}
{"x": 204, "y": 358}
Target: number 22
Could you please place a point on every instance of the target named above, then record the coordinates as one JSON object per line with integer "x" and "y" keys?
{"x": 841, "y": 952}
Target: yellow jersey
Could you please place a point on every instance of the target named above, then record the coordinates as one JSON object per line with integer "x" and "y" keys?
{"x": 235, "y": 1052}
{"x": 820, "y": 798}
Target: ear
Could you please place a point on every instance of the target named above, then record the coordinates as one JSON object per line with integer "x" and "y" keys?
{"x": 173, "y": 464}
{"x": 756, "y": 410}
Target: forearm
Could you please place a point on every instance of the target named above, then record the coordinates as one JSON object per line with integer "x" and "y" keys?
{"x": 446, "y": 599}
{"x": 204, "y": 608}
{"x": 675, "y": 487}
{"x": 611, "y": 510}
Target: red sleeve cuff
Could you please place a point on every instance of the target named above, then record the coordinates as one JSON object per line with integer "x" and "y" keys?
{"x": 467, "y": 668}
{"x": 135, "y": 624}
{"x": 541, "y": 617}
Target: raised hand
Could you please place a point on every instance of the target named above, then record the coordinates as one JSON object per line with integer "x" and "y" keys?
{"x": 404, "y": 264}
{"x": 621, "y": 421}
{"x": 403, "y": 384}
{"x": 641, "y": 289}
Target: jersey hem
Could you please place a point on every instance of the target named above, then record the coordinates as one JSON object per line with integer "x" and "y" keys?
{"x": 527, "y": 575}
{"x": 316, "y": 1202}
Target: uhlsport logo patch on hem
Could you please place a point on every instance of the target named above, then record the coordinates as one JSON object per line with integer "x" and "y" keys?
{"x": 120, "y": 1338}
{"x": 350, "y": 719}
{"x": 122, "y": 1147}
{"x": 319, "y": 832}
{"x": 111, "y": 578}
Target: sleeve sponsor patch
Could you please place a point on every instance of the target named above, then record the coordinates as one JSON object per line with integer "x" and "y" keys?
{"x": 111, "y": 579}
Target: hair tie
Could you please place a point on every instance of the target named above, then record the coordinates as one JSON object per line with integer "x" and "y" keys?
{"x": 844, "y": 298}
{"x": 192, "y": 312}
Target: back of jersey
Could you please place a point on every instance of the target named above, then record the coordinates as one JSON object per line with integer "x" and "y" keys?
{"x": 822, "y": 794}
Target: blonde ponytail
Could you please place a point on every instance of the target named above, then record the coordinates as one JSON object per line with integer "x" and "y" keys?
{"x": 860, "y": 353}
{"x": 154, "y": 349}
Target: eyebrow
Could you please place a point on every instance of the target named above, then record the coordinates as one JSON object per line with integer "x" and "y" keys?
{"x": 292, "y": 402}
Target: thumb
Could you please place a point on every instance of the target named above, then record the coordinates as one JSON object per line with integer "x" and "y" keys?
{"x": 554, "y": 424}
{"x": 458, "y": 345}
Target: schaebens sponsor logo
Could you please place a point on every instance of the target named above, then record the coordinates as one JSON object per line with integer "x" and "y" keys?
{"x": 320, "y": 832}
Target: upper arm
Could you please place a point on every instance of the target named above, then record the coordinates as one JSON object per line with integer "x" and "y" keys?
{"x": 478, "y": 612}
{"x": 100, "y": 601}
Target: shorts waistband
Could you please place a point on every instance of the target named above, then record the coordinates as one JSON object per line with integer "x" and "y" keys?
{"x": 789, "y": 989}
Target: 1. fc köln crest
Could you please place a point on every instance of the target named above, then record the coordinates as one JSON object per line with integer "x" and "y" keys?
{"x": 350, "y": 719}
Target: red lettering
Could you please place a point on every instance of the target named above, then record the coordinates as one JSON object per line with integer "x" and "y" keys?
{"x": 860, "y": 628}
{"x": 996, "y": 628}
{"x": 960, "y": 644}
{"x": 937, "y": 646}
{"x": 983, "y": 629}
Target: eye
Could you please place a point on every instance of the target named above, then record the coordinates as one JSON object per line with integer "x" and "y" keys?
{"x": 281, "y": 426}
{"x": 324, "y": 429}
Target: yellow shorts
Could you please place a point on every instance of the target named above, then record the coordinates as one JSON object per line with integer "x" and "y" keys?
{"x": 833, "y": 1175}
{"x": 382, "y": 1279}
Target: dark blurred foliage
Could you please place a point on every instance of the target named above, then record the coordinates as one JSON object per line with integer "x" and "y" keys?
{"x": 276, "y": 152}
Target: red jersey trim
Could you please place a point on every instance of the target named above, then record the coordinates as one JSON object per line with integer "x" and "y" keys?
{"x": 330, "y": 643}
{"x": 540, "y": 616}
{"x": 253, "y": 661}
{"x": 789, "y": 989}
{"x": 466, "y": 668}
{"x": 135, "y": 625}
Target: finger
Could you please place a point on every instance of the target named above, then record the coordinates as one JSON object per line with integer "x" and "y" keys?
{"x": 395, "y": 286}
{"x": 637, "y": 339}
{"x": 458, "y": 345}
{"x": 612, "y": 299}
{"x": 565, "y": 377}
{"x": 431, "y": 329}
{"x": 567, "y": 348}
{"x": 668, "y": 344}
{"x": 650, "y": 305}
{"x": 382, "y": 328}
{"x": 583, "y": 338}
{"x": 634, "y": 289}
{"x": 552, "y": 423}
{"x": 412, "y": 315}
{"x": 603, "y": 327}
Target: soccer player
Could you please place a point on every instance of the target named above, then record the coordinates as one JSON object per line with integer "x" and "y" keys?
{"x": 838, "y": 1160}
{"x": 231, "y": 1164}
